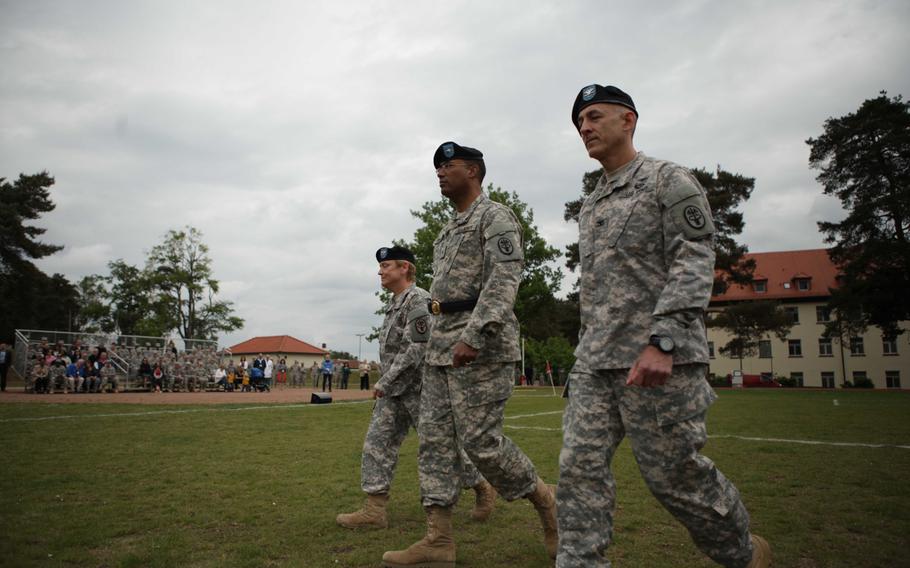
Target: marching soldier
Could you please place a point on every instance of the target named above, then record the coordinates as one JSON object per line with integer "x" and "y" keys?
{"x": 647, "y": 268}
{"x": 471, "y": 356}
{"x": 402, "y": 342}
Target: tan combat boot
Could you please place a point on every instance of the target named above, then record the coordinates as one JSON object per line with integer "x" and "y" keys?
{"x": 435, "y": 550}
{"x": 544, "y": 499}
{"x": 761, "y": 553}
{"x": 371, "y": 516}
{"x": 484, "y": 501}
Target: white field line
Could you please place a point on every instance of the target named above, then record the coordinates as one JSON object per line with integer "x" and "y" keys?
{"x": 811, "y": 442}
{"x": 517, "y": 416}
{"x": 509, "y": 426}
{"x": 753, "y": 439}
{"x": 184, "y": 411}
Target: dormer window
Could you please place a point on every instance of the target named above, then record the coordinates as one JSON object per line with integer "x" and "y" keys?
{"x": 802, "y": 281}
{"x": 760, "y": 286}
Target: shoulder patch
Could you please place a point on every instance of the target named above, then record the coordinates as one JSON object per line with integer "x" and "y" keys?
{"x": 419, "y": 324}
{"x": 503, "y": 236}
{"x": 692, "y": 217}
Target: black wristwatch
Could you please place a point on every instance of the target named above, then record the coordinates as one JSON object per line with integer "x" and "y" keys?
{"x": 662, "y": 342}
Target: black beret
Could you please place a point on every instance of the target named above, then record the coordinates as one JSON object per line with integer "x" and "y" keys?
{"x": 450, "y": 150}
{"x": 596, "y": 94}
{"x": 395, "y": 253}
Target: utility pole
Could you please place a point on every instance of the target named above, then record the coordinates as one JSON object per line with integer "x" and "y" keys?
{"x": 359, "y": 337}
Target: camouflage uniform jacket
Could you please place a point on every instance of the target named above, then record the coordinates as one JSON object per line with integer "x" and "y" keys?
{"x": 647, "y": 264}
{"x": 402, "y": 341}
{"x": 478, "y": 254}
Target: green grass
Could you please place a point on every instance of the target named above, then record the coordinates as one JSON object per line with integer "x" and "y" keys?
{"x": 228, "y": 486}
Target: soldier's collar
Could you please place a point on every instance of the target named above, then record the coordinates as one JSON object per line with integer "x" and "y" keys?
{"x": 462, "y": 218}
{"x": 621, "y": 177}
{"x": 398, "y": 300}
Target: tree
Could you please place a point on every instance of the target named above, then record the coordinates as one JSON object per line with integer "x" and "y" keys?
{"x": 94, "y": 313}
{"x": 748, "y": 323}
{"x": 556, "y": 350}
{"x": 726, "y": 191}
{"x": 22, "y": 201}
{"x": 180, "y": 272}
{"x": 28, "y": 297}
{"x": 540, "y": 280}
{"x": 864, "y": 160}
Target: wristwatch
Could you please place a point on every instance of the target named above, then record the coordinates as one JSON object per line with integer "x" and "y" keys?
{"x": 662, "y": 342}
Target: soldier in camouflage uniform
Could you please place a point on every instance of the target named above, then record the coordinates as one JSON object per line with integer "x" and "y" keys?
{"x": 402, "y": 341}
{"x": 471, "y": 355}
{"x": 108, "y": 376}
{"x": 647, "y": 268}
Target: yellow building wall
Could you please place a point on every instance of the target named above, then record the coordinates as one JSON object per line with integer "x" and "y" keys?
{"x": 874, "y": 362}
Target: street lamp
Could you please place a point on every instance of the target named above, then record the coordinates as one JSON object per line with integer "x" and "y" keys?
{"x": 359, "y": 337}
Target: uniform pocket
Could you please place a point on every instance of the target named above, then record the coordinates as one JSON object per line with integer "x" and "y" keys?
{"x": 483, "y": 384}
{"x": 691, "y": 397}
{"x": 618, "y": 223}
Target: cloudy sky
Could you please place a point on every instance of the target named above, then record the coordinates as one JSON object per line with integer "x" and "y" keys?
{"x": 298, "y": 135}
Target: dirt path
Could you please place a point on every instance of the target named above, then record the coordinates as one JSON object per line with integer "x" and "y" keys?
{"x": 276, "y": 396}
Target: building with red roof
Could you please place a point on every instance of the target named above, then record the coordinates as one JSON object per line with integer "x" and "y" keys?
{"x": 802, "y": 280}
{"x": 279, "y": 347}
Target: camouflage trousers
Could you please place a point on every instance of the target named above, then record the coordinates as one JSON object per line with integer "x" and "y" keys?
{"x": 393, "y": 417}
{"x": 666, "y": 429}
{"x": 464, "y": 408}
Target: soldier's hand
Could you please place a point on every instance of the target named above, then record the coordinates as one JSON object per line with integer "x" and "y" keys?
{"x": 463, "y": 354}
{"x": 651, "y": 369}
{"x": 377, "y": 393}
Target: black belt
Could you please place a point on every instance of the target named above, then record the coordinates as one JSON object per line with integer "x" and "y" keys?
{"x": 436, "y": 307}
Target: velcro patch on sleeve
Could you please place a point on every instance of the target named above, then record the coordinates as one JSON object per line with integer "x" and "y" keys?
{"x": 692, "y": 217}
{"x": 419, "y": 324}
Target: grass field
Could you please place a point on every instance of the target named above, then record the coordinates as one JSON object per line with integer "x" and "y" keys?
{"x": 118, "y": 485}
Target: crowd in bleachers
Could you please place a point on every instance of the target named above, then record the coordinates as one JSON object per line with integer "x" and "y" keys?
{"x": 78, "y": 368}
{"x": 158, "y": 366}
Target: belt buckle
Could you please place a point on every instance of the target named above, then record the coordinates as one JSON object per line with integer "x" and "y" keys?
{"x": 435, "y": 307}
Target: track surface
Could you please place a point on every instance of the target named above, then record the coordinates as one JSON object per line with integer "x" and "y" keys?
{"x": 277, "y": 395}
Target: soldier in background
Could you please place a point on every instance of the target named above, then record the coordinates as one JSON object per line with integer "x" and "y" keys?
{"x": 647, "y": 268}
{"x": 402, "y": 341}
{"x": 108, "y": 375}
{"x": 471, "y": 356}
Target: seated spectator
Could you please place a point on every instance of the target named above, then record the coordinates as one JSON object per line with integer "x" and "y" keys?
{"x": 145, "y": 373}
{"x": 39, "y": 382}
{"x": 73, "y": 380}
{"x": 220, "y": 377}
{"x": 158, "y": 377}
{"x": 108, "y": 374}
{"x": 56, "y": 374}
{"x": 244, "y": 379}
{"x": 92, "y": 377}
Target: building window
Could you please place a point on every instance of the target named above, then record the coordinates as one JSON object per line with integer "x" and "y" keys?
{"x": 824, "y": 347}
{"x": 711, "y": 349}
{"x": 764, "y": 348}
{"x": 797, "y": 378}
{"x": 793, "y": 312}
{"x": 803, "y": 284}
{"x": 857, "y": 349}
{"x": 859, "y": 376}
{"x": 822, "y": 314}
{"x": 827, "y": 380}
{"x": 795, "y": 347}
{"x": 889, "y": 345}
{"x": 760, "y": 286}
{"x": 893, "y": 379}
